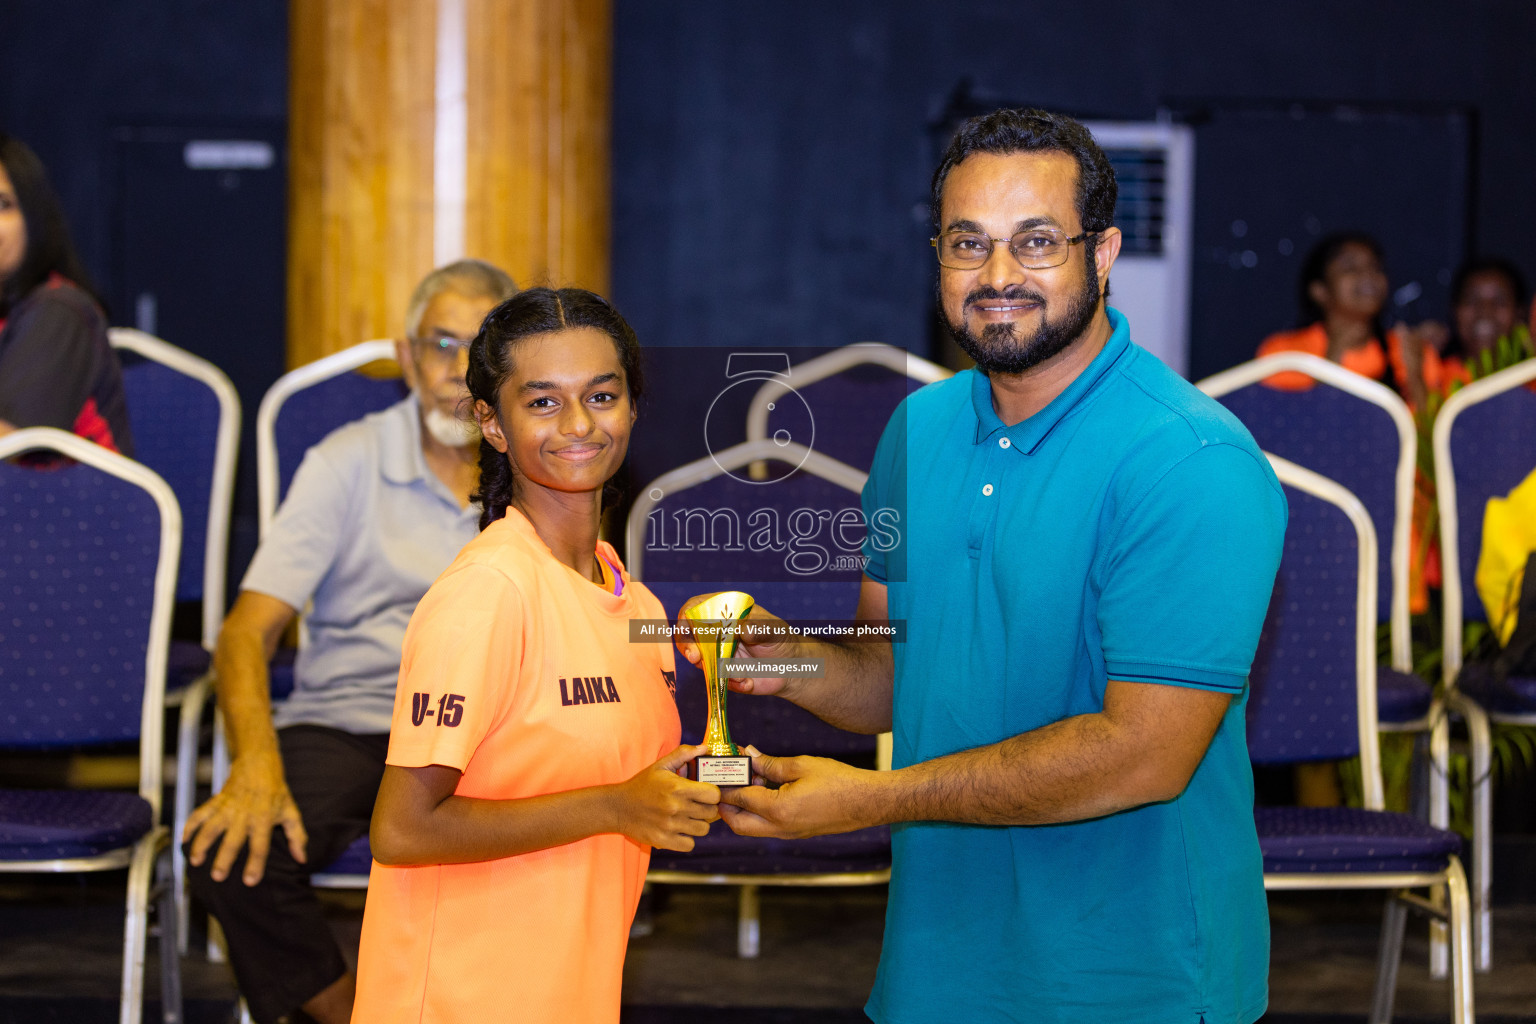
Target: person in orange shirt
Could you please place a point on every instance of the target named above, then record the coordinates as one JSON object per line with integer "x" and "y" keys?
{"x": 1487, "y": 297}
{"x": 1343, "y": 292}
{"x": 533, "y": 757}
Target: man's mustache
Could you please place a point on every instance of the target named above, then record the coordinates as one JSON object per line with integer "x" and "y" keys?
{"x": 1015, "y": 293}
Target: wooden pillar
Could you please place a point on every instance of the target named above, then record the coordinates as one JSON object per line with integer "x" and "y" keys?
{"x": 538, "y": 192}
{"x": 426, "y": 130}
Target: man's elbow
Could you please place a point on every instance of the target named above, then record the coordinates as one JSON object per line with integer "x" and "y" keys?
{"x": 1156, "y": 783}
{"x": 1150, "y": 776}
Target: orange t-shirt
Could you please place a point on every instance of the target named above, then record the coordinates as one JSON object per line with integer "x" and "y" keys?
{"x": 1367, "y": 360}
{"x": 521, "y": 674}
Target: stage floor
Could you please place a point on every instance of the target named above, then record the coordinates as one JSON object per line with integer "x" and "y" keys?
{"x": 60, "y": 940}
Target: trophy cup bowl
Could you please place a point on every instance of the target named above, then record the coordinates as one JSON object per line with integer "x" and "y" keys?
{"x": 713, "y": 623}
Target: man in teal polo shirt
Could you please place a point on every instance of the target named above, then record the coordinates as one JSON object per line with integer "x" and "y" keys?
{"x": 1086, "y": 554}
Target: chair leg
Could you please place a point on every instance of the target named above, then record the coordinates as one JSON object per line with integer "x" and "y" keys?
{"x": 1440, "y": 817}
{"x": 748, "y": 923}
{"x": 1390, "y": 954}
{"x": 220, "y": 750}
{"x": 1482, "y": 829}
{"x": 215, "y": 950}
{"x": 1482, "y": 842}
{"x": 220, "y": 773}
{"x": 170, "y": 937}
{"x": 136, "y": 925}
{"x": 191, "y": 720}
{"x": 1461, "y": 944}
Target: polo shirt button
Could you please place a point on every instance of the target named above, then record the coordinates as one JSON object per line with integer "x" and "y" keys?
{"x": 986, "y": 489}
{"x": 1003, "y": 442}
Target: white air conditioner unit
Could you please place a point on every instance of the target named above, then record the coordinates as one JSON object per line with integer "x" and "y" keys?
{"x": 1155, "y": 166}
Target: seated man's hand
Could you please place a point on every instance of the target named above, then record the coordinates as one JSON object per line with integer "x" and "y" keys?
{"x": 254, "y": 799}
{"x": 816, "y": 796}
{"x": 754, "y": 643}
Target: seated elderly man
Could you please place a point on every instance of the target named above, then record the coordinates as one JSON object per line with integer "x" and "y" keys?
{"x": 375, "y": 512}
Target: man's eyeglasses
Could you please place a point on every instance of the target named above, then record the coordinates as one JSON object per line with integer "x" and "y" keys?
{"x": 439, "y": 349}
{"x": 1035, "y": 248}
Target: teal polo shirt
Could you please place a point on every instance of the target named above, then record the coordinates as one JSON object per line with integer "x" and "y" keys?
{"x": 1130, "y": 530}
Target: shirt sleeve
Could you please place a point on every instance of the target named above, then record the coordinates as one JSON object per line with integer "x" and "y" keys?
{"x": 1185, "y": 580}
{"x": 459, "y": 669}
{"x": 305, "y": 538}
{"x": 48, "y": 364}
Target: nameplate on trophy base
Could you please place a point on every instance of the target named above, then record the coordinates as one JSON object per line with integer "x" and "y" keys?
{"x": 723, "y": 771}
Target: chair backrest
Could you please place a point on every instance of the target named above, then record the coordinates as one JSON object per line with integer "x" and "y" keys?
{"x": 1352, "y": 430}
{"x": 699, "y": 529}
{"x": 844, "y": 398}
{"x": 1312, "y": 690}
{"x": 88, "y": 552}
{"x": 185, "y": 415}
{"x": 696, "y": 521}
{"x": 304, "y": 405}
{"x": 1484, "y": 444}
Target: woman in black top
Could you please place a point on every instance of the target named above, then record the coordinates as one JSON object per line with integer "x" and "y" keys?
{"x": 56, "y": 366}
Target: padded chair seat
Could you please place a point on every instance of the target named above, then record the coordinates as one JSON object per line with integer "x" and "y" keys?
{"x": 725, "y": 852}
{"x": 1331, "y": 840}
{"x": 1513, "y": 696}
{"x": 1401, "y": 696}
{"x": 186, "y": 662}
{"x": 55, "y": 824}
{"x": 356, "y": 859}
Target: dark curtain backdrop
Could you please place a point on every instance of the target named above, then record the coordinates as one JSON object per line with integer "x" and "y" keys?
{"x": 109, "y": 92}
{"x": 771, "y": 165}
{"x": 771, "y": 162}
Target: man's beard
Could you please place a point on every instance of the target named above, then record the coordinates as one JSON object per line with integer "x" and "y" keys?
{"x": 447, "y": 429}
{"x": 999, "y": 349}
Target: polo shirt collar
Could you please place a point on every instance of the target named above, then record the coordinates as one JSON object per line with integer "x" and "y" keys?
{"x": 401, "y": 461}
{"x": 1027, "y": 435}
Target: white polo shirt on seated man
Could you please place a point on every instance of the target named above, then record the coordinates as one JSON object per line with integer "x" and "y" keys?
{"x": 367, "y": 529}
{"x": 375, "y": 512}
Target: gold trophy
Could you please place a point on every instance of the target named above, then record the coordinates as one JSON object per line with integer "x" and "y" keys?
{"x": 713, "y": 623}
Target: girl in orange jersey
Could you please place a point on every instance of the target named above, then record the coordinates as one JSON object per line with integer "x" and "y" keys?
{"x": 533, "y": 758}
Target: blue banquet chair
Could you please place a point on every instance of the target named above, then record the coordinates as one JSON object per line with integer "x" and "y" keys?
{"x": 89, "y": 542}
{"x": 1312, "y": 697}
{"x": 307, "y": 403}
{"x": 298, "y": 411}
{"x": 690, "y": 533}
{"x": 841, "y": 401}
{"x": 1484, "y": 444}
{"x": 185, "y": 416}
{"x": 1359, "y": 433}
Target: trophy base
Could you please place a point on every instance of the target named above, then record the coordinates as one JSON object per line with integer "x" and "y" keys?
{"x": 722, "y": 771}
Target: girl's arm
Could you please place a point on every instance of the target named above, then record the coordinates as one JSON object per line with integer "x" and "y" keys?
{"x": 417, "y": 819}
